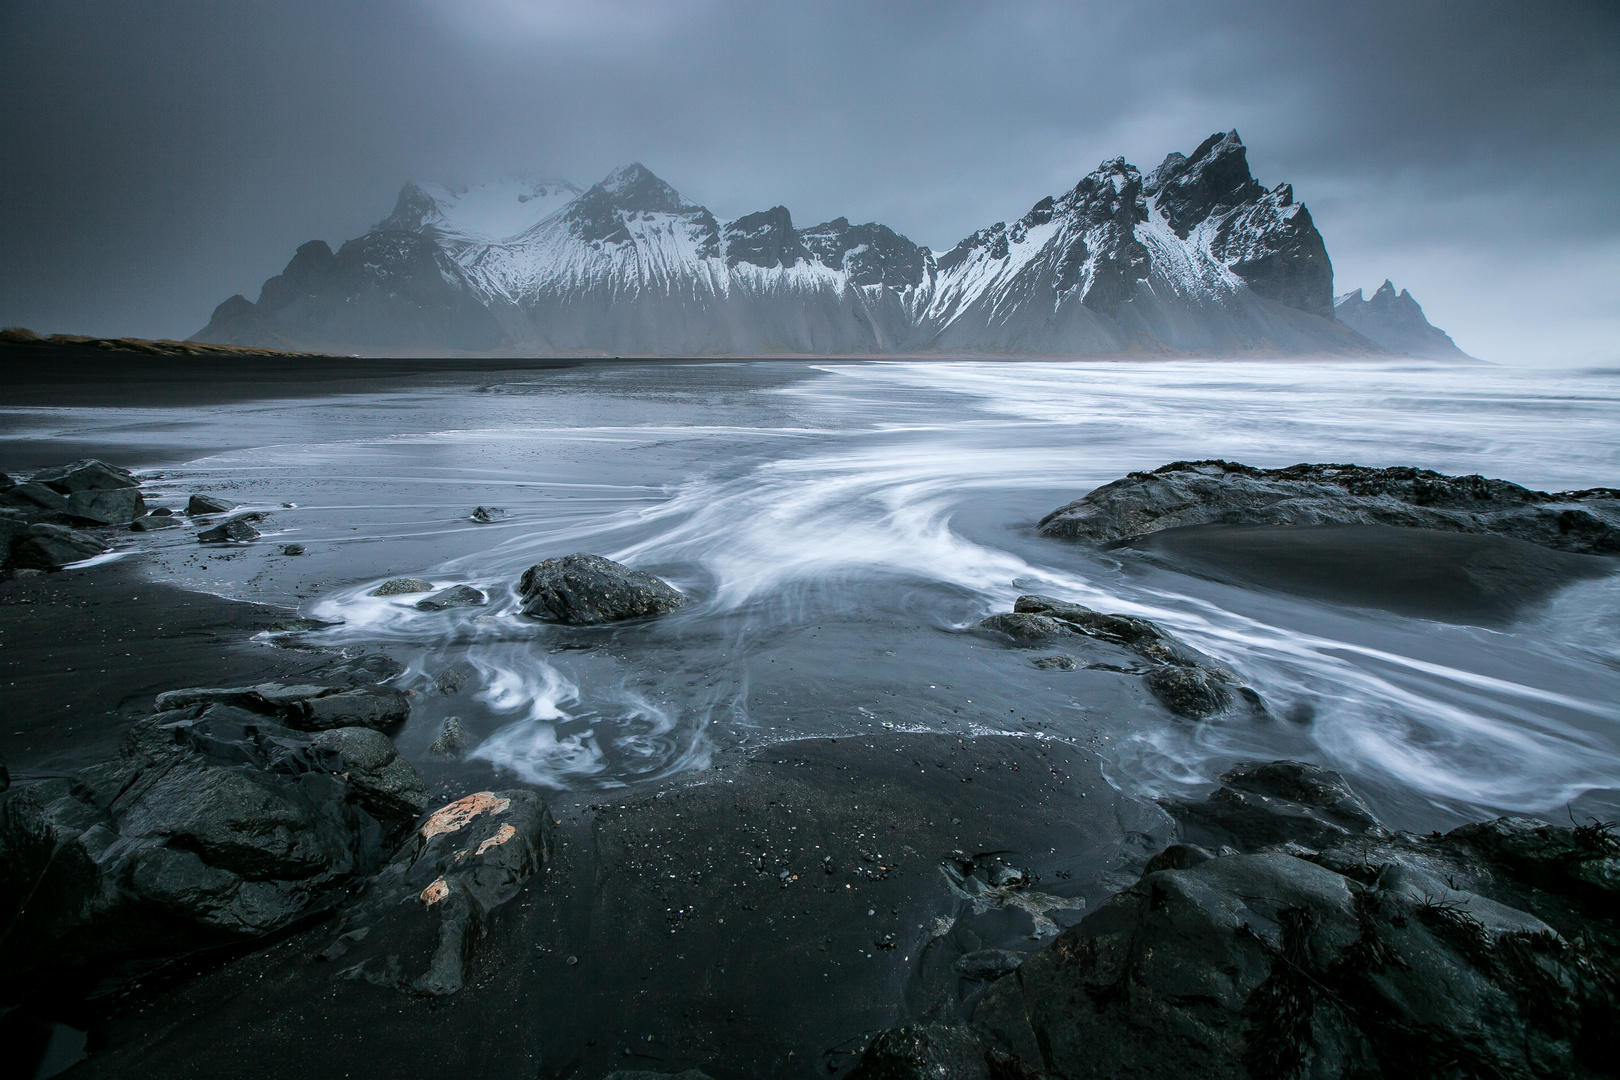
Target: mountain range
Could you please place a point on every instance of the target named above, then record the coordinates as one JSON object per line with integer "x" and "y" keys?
{"x": 1195, "y": 257}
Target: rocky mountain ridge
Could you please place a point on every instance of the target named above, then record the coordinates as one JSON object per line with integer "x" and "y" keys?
{"x": 1196, "y": 257}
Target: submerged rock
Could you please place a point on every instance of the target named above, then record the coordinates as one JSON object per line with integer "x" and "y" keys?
{"x": 420, "y": 919}
{"x": 453, "y": 741}
{"x": 457, "y": 596}
{"x": 213, "y": 825}
{"x": 584, "y": 590}
{"x": 1187, "y": 682}
{"x": 401, "y": 586}
{"x": 1226, "y": 493}
{"x": 1320, "y": 944}
{"x": 305, "y": 707}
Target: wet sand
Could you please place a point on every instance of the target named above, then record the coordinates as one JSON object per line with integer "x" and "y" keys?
{"x": 1454, "y": 577}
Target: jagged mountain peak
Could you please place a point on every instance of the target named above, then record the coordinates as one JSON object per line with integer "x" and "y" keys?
{"x": 1396, "y": 321}
{"x": 635, "y": 187}
{"x": 1187, "y": 190}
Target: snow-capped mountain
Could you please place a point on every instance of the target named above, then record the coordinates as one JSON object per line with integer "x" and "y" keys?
{"x": 1397, "y": 323}
{"x": 1196, "y": 257}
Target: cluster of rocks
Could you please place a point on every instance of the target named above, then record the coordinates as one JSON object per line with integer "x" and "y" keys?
{"x": 456, "y": 596}
{"x": 1186, "y": 681}
{"x": 1187, "y": 493}
{"x": 230, "y": 814}
{"x": 68, "y": 513}
{"x": 1292, "y": 935}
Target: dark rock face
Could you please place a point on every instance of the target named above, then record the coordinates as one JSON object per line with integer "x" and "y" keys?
{"x": 51, "y": 547}
{"x": 1187, "y": 682}
{"x": 871, "y": 254}
{"x": 117, "y": 506}
{"x": 457, "y": 596}
{"x": 214, "y": 824}
{"x": 1489, "y": 951}
{"x": 32, "y": 496}
{"x": 307, "y": 708}
{"x": 87, "y": 474}
{"x": 1227, "y": 493}
{"x": 1397, "y": 323}
{"x": 422, "y": 916}
{"x": 766, "y": 238}
{"x": 199, "y": 505}
{"x": 584, "y": 590}
{"x": 1266, "y": 238}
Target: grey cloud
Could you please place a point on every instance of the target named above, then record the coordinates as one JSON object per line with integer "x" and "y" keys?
{"x": 162, "y": 156}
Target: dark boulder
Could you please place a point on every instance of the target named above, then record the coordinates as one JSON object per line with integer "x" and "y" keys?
{"x": 51, "y": 547}
{"x": 114, "y": 506}
{"x": 34, "y": 498}
{"x": 925, "y": 1052}
{"x": 87, "y": 474}
{"x": 305, "y": 707}
{"x": 457, "y": 596}
{"x": 1489, "y": 951}
{"x": 203, "y": 505}
{"x": 214, "y": 825}
{"x": 420, "y": 919}
{"x": 6, "y": 482}
{"x": 986, "y": 964}
{"x": 237, "y": 530}
{"x": 1187, "y": 493}
{"x": 1188, "y": 691}
{"x": 154, "y": 521}
{"x": 584, "y": 590}
{"x": 1268, "y": 805}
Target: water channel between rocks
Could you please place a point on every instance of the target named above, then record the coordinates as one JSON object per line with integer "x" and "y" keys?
{"x": 838, "y": 526}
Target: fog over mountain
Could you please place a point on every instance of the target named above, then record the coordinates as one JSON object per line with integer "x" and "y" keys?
{"x": 162, "y": 157}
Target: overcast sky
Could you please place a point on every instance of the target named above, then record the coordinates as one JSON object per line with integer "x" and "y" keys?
{"x": 159, "y": 157}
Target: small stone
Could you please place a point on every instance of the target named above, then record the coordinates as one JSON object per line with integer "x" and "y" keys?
{"x": 292, "y": 549}
{"x": 1056, "y": 662}
{"x": 986, "y": 964}
{"x": 486, "y": 514}
{"x": 400, "y": 586}
{"x": 453, "y": 741}
{"x": 450, "y": 682}
{"x": 153, "y": 521}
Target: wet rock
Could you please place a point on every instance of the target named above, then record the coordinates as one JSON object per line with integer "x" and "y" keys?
{"x": 292, "y": 549}
{"x": 305, "y": 707}
{"x": 153, "y": 521}
{"x": 986, "y": 964}
{"x": 457, "y": 596}
{"x": 51, "y": 547}
{"x": 1024, "y": 627}
{"x": 203, "y": 505}
{"x": 1140, "y": 636}
{"x": 1226, "y": 493}
{"x": 453, "y": 741}
{"x": 1177, "y": 857}
{"x": 6, "y": 482}
{"x": 35, "y": 498}
{"x": 584, "y": 590}
{"x": 400, "y": 586}
{"x": 87, "y": 474}
{"x": 236, "y": 530}
{"x": 486, "y": 514}
{"x": 367, "y": 670}
{"x": 117, "y": 506}
{"x": 1264, "y": 806}
{"x": 638, "y": 1074}
{"x": 425, "y": 912}
{"x": 924, "y": 1052}
{"x": 1056, "y": 662}
{"x": 213, "y": 825}
{"x": 1188, "y": 691}
{"x": 5, "y": 774}
{"x": 450, "y": 681}
{"x": 299, "y": 626}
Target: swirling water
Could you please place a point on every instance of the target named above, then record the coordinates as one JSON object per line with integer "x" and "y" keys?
{"x": 837, "y": 526}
